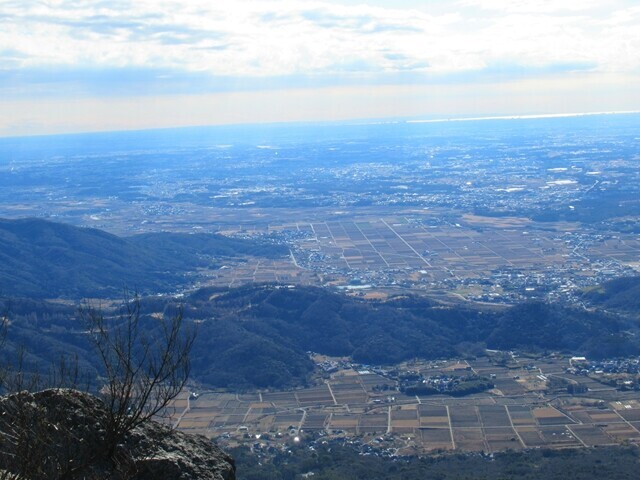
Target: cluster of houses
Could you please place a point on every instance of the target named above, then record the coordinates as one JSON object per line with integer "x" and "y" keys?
{"x": 623, "y": 373}
{"x": 582, "y": 366}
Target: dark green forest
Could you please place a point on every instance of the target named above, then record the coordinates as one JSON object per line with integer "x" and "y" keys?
{"x": 44, "y": 259}
{"x": 258, "y": 336}
{"x": 275, "y": 324}
{"x": 343, "y": 462}
{"x": 621, "y": 294}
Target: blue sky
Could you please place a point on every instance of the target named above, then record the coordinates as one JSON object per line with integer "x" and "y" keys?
{"x": 69, "y": 66}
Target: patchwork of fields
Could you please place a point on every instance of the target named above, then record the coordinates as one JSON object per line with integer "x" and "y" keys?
{"x": 478, "y": 258}
{"x": 517, "y": 414}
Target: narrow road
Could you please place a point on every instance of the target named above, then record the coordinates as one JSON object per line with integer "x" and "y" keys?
{"x": 453, "y": 442}
{"x": 184, "y": 412}
{"x": 335, "y": 402}
{"x": 513, "y": 427}
{"x": 293, "y": 259}
{"x": 405, "y": 242}
{"x": 304, "y": 417}
{"x": 576, "y": 436}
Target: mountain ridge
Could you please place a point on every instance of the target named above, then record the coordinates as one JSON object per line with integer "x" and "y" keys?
{"x": 44, "y": 259}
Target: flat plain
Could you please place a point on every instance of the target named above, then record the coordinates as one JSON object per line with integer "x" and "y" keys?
{"x": 360, "y": 403}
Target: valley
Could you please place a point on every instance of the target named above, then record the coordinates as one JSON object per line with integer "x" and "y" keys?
{"x": 534, "y": 403}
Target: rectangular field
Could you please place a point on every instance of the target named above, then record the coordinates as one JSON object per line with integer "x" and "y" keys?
{"x": 436, "y": 438}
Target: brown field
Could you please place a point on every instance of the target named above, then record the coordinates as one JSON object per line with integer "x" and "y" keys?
{"x": 493, "y": 416}
{"x": 559, "y": 436}
{"x": 315, "y": 421}
{"x": 521, "y": 415}
{"x": 502, "y": 222}
{"x": 630, "y": 415}
{"x": 433, "y": 416}
{"x": 602, "y": 416}
{"x": 409, "y": 413}
{"x": 508, "y": 386}
{"x": 591, "y": 435}
{"x": 502, "y": 438}
{"x": 343, "y": 421}
{"x": 622, "y": 432}
{"x": 470, "y": 439}
{"x": 434, "y": 422}
{"x": 180, "y": 404}
{"x": 373, "y": 423}
{"x": 436, "y": 438}
{"x": 248, "y": 397}
{"x": 315, "y": 396}
{"x": 531, "y": 436}
{"x": 464, "y": 416}
{"x": 550, "y": 416}
{"x": 282, "y": 399}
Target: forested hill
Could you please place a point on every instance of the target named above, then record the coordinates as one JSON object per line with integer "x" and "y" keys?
{"x": 274, "y": 327}
{"x": 43, "y": 259}
{"x": 259, "y": 336}
{"x": 620, "y": 294}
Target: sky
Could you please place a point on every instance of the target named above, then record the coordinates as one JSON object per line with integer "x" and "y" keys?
{"x": 95, "y": 65}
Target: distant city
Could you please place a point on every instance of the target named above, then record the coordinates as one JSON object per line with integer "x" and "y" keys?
{"x": 487, "y": 211}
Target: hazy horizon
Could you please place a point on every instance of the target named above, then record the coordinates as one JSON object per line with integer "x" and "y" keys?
{"x": 345, "y": 122}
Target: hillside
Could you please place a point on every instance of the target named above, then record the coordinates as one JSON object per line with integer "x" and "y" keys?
{"x": 620, "y": 294}
{"x": 43, "y": 259}
{"x": 259, "y": 336}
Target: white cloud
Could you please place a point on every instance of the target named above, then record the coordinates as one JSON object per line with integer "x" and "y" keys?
{"x": 280, "y": 37}
{"x": 535, "y": 6}
{"x": 78, "y": 65}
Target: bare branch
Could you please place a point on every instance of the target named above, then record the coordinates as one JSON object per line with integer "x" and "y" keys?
{"x": 145, "y": 366}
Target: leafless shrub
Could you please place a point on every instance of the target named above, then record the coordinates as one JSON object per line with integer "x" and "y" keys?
{"x": 145, "y": 366}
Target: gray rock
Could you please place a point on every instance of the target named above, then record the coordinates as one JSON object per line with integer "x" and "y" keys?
{"x": 59, "y": 433}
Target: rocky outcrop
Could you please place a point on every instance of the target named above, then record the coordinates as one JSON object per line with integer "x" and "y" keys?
{"x": 59, "y": 433}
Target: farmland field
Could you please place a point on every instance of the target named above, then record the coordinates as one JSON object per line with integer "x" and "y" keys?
{"x": 348, "y": 405}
